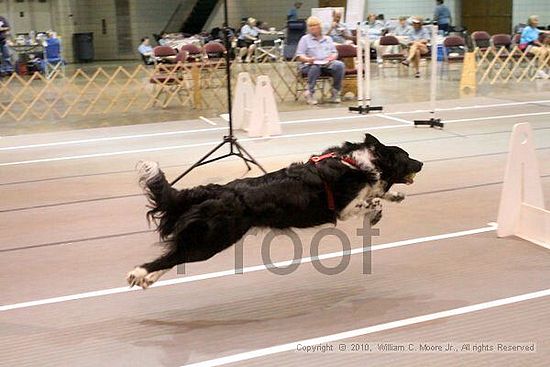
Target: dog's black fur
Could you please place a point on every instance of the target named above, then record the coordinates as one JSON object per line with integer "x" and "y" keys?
{"x": 195, "y": 224}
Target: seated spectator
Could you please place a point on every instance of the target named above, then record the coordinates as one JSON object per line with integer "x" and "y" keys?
{"x": 531, "y": 43}
{"x": 249, "y": 34}
{"x": 419, "y": 37}
{"x": 402, "y": 28}
{"x": 401, "y": 32}
{"x": 146, "y": 51}
{"x": 163, "y": 39}
{"x": 52, "y": 48}
{"x": 375, "y": 30}
{"x": 318, "y": 55}
{"x": 338, "y": 31}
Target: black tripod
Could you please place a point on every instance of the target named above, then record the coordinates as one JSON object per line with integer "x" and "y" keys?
{"x": 235, "y": 149}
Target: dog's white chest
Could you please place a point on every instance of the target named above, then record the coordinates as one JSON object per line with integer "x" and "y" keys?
{"x": 357, "y": 206}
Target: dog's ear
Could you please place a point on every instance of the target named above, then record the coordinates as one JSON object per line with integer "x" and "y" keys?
{"x": 371, "y": 140}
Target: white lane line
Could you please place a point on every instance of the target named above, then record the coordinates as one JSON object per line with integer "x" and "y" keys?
{"x": 370, "y": 329}
{"x": 172, "y": 147}
{"x": 112, "y": 138}
{"x": 460, "y": 108}
{"x": 395, "y": 119}
{"x": 182, "y": 132}
{"x": 109, "y": 154}
{"x": 498, "y": 117}
{"x": 287, "y": 136}
{"x": 250, "y": 269}
{"x": 208, "y": 121}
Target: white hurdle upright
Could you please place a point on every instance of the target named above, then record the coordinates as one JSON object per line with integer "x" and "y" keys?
{"x": 363, "y": 73}
{"x": 433, "y": 121}
{"x": 243, "y": 102}
{"x": 521, "y": 212}
{"x": 264, "y": 117}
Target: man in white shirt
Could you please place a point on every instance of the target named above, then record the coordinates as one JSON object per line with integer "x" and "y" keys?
{"x": 318, "y": 55}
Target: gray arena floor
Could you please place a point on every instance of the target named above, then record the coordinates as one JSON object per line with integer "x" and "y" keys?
{"x": 73, "y": 224}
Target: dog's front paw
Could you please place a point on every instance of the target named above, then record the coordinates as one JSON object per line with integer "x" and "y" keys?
{"x": 375, "y": 217}
{"x": 396, "y": 197}
{"x": 138, "y": 277}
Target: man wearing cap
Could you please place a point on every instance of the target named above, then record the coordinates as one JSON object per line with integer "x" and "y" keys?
{"x": 418, "y": 43}
{"x": 318, "y": 55}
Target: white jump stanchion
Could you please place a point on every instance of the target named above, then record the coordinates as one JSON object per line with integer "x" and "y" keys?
{"x": 521, "y": 211}
{"x": 433, "y": 121}
{"x": 363, "y": 73}
{"x": 243, "y": 103}
{"x": 264, "y": 118}
{"x": 360, "y": 71}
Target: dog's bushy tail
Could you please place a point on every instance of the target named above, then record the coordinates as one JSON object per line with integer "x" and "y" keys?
{"x": 166, "y": 204}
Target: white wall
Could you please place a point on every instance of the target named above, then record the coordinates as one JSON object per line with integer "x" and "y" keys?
{"x": 272, "y": 12}
{"x": 150, "y": 17}
{"x": 393, "y": 9}
{"x": 275, "y": 12}
{"x": 525, "y": 8}
{"x": 147, "y": 17}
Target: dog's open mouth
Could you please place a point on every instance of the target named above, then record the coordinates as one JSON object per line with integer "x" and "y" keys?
{"x": 409, "y": 179}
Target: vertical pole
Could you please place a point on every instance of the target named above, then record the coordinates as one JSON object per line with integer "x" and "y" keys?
{"x": 360, "y": 96}
{"x": 433, "y": 84}
{"x": 366, "y": 80}
{"x": 228, "y": 68}
{"x": 433, "y": 121}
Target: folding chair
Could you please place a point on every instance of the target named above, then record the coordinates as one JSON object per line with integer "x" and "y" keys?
{"x": 164, "y": 55}
{"x": 214, "y": 61}
{"x": 481, "y": 40}
{"x": 393, "y": 42}
{"x": 169, "y": 80}
{"x": 269, "y": 47}
{"x": 194, "y": 53}
{"x": 454, "y": 49}
{"x": 347, "y": 54}
{"x": 302, "y": 86}
{"x": 214, "y": 52}
{"x": 53, "y": 60}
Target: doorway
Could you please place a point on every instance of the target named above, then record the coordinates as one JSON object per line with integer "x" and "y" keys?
{"x": 487, "y": 15}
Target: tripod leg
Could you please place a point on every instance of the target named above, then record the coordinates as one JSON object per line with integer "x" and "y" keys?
{"x": 240, "y": 154}
{"x": 198, "y": 163}
{"x": 247, "y": 155}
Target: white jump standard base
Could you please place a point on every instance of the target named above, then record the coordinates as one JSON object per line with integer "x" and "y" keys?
{"x": 433, "y": 121}
{"x": 363, "y": 74}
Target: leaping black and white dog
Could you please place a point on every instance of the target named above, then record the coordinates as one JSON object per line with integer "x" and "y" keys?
{"x": 196, "y": 224}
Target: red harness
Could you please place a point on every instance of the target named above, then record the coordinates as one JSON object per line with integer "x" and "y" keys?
{"x": 330, "y": 195}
